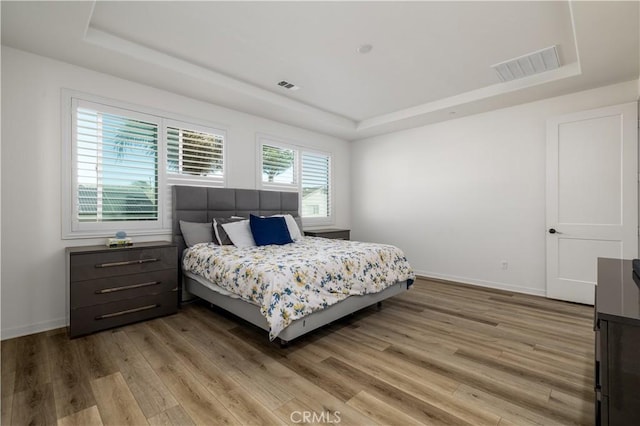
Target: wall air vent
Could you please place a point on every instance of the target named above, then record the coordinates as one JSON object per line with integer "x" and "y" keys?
{"x": 287, "y": 85}
{"x": 526, "y": 65}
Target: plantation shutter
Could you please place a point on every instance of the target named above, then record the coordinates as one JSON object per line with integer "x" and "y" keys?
{"x": 115, "y": 164}
{"x": 194, "y": 151}
{"x": 316, "y": 194}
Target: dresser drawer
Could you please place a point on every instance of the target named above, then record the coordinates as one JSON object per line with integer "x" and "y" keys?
{"x": 88, "y": 266}
{"x": 334, "y": 234}
{"x": 100, "y": 317}
{"x": 110, "y": 289}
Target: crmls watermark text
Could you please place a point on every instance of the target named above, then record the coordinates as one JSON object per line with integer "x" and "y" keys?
{"x": 314, "y": 417}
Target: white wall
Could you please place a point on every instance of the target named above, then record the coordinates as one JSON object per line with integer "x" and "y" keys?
{"x": 33, "y": 271}
{"x": 460, "y": 197}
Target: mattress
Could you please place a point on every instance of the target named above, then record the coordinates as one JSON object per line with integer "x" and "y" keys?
{"x": 292, "y": 281}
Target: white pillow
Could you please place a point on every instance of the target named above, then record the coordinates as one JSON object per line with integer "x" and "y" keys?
{"x": 239, "y": 233}
{"x": 292, "y": 225}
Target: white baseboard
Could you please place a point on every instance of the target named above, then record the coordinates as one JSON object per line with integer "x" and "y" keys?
{"x": 482, "y": 283}
{"x": 10, "y": 333}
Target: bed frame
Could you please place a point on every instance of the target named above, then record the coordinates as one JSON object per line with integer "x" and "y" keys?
{"x": 201, "y": 204}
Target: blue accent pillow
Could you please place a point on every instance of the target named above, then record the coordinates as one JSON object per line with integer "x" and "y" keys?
{"x": 269, "y": 230}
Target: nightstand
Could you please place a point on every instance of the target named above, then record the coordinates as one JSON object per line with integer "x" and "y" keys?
{"x": 110, "y": 287}
{"x": 331, "y": 233}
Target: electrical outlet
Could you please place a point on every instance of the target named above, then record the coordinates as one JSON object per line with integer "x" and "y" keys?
{"x": 504, "y": 264}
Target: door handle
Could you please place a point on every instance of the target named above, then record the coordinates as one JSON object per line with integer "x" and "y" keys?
{"x": 553, "y": 231}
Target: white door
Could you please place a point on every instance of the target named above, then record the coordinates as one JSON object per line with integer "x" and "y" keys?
{"x": 592, "y": 196}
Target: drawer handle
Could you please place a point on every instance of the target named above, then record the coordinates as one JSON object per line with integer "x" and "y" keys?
{"x": 127, "y": 287}
{"x": 127, "y": 262}
{"x": 128, "y": 311}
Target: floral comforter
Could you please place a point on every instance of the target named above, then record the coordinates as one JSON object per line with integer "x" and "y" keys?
{"x": 291, "y": 281}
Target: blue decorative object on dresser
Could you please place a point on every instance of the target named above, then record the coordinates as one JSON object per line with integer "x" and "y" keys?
{"x": 120, "y": 240}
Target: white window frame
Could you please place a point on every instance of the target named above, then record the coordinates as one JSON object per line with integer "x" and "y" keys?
{"x": 299, "y": 149}
{"x": 71, "y": 227}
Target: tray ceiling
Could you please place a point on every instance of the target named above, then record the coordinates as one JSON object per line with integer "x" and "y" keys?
{"x": 430, "y": 61}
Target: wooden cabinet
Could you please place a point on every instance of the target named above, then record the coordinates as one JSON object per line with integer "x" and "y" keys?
{"x": 333, "y": 233}
{"x": 617, "y": 351}
{"x": 110, "y": 287}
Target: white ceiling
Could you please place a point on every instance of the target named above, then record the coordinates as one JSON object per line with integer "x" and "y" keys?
{"x": 430, "y": 60}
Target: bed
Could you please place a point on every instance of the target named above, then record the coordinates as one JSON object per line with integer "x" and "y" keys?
{"x": 201, "y": 204}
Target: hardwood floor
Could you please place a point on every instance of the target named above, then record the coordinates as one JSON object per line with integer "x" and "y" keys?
{"x": 440, "y": 354}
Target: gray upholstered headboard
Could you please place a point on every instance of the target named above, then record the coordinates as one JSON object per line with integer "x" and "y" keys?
{"x": 201, "y": 204}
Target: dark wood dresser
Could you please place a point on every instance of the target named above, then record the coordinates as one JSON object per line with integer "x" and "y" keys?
{"x": 110, "y": 287}
{"x": 332, "y": 233}
{"x": 617, "y": 351}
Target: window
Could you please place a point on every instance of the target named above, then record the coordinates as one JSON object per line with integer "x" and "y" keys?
{"x": 291, "y": 167}
{"x": 119, "y": 164}
{"x": 279, "y": 166}
{"x": 115, "y": 167}
{"x": 194, "y": 152}
{"x": 316, "y": 199}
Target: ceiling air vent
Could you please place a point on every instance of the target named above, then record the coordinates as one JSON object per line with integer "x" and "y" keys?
{"x": 526, "y": 65}
{"x": 288, "y": 86}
